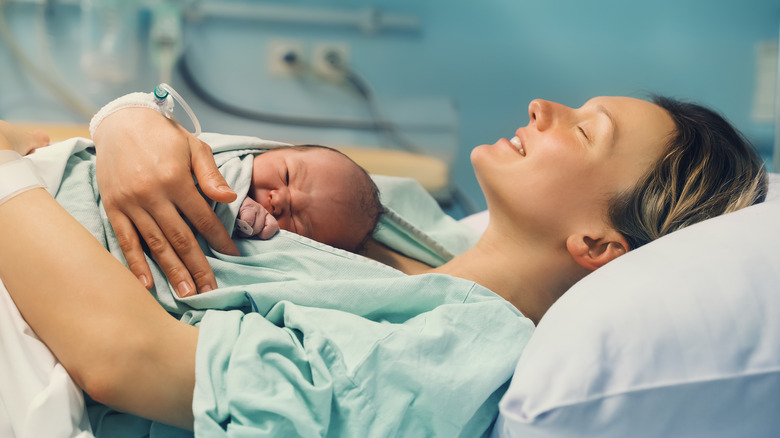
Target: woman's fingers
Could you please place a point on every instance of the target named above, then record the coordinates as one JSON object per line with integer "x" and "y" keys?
{"x": 213, "y": 185}
{"x": 203, "y": 218}
{"x": 171, "y": 243}
{"x": 175, "y": 250}
{"x": 206, "y": 172}
{"x": 169, "y": 238}
{"x": 127, "y": 237}
{"x": 151, "y": 209}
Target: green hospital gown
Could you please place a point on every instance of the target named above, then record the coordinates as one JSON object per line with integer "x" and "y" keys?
{"x": 302, "y": 339}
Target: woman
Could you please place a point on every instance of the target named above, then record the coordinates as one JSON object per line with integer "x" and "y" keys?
{"x": 568, "y": 193}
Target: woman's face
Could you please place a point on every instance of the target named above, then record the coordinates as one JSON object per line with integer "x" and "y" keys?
{"x": 559, "y": 172}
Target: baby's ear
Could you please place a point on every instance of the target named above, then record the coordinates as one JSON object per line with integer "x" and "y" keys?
{"x": 593, "y": 252}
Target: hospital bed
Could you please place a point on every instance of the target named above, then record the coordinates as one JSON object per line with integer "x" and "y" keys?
{"x": 678, "y": 338}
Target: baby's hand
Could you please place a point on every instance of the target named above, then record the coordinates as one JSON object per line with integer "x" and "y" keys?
{"x": 254, "y": 220}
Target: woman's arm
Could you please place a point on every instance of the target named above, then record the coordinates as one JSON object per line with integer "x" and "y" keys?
{"x": 145, "y": 165}
{"x": 119, "y": 345}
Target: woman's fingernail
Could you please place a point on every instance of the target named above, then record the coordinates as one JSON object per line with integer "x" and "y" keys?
{"x": 184, "y": 289}
{"x": 206, "y": 288}
{"x": 145, "y": 281}
{"x": 225, "y": 189}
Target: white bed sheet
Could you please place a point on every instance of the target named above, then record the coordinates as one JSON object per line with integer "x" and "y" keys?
{"x": 37, "y": 396}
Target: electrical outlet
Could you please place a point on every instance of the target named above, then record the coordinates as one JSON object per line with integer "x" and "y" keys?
{"x": 285, "y": 57}
{"x": 326, "y": 58}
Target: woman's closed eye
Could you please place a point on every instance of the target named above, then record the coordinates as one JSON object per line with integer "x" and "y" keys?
{"x": 584, "y": 134}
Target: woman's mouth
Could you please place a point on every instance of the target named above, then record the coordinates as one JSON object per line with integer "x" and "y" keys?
{"x": 517, "y": 144}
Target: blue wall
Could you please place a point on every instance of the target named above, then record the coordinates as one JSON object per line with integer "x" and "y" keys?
{"x": 489, "y": 58}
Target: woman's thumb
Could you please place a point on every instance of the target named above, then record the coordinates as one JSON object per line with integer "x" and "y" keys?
{"x": 209, "y": 178}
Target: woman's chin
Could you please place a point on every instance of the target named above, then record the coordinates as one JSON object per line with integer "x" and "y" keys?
{"x": 475, "y": 154}
{"x": 480, "y": 157}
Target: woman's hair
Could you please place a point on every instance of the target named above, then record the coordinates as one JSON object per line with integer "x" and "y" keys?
{"x": 708, "y": 169}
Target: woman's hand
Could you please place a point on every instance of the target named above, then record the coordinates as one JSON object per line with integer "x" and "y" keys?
{"x": 255, "y": 220}
{"x": 145, "y": 167}
{"x": 21, "y": 141}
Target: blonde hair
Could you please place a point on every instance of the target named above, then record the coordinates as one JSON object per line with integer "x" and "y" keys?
{"x": 708, "y": 169}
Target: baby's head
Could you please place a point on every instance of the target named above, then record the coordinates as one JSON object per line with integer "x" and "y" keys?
{"x": 317, "y": 192}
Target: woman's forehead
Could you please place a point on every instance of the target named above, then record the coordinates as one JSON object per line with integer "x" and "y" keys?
{"x": 645, "y": 124}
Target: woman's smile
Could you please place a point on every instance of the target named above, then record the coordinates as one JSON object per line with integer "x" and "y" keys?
{"x": 514, "y": 144}
{"x": 517, "y": 143}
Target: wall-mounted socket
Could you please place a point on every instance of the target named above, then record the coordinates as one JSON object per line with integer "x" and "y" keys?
{"x": 285, "y": 57}
{"x": 328, "y": 58}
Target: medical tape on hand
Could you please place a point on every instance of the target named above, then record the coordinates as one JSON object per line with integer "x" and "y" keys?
{"x": 132, "y": 100}
{"x": 17, "y": 175}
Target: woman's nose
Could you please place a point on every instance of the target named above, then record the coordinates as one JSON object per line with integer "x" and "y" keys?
{"x": 538, "y": 113}
{"x": 543, "y": 113}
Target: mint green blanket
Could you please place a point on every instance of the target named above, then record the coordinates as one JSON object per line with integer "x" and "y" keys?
{"x": 302, "y": 339}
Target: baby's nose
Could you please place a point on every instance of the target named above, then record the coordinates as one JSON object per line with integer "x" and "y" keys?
{"x": 279, "y": 201}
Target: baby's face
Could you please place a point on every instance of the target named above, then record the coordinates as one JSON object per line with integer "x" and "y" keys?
{"x": 311, "y": 192}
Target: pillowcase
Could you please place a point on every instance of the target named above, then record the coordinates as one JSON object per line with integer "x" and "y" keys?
{"x": 678, "y": 338}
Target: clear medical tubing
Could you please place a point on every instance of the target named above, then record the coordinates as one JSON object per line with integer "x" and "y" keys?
{"x": 161, "y": 93}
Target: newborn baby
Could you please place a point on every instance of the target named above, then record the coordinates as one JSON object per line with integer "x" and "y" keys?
{"x": 311, "y": 190}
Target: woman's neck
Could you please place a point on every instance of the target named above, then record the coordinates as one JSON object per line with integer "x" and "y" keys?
{"x": 528, "y": 274}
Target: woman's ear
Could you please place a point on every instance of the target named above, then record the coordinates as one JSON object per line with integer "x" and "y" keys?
{"x": 592, "y": 252}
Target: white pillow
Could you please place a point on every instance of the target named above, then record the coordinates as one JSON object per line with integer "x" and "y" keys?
{"x": 678, "y": 338}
